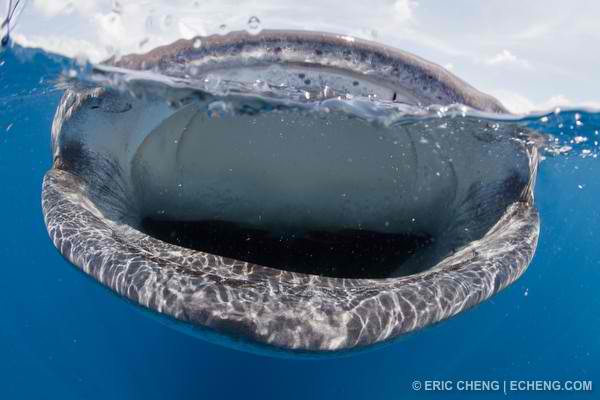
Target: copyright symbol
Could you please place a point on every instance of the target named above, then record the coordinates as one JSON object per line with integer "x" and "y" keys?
{"x": 416, "y": 385}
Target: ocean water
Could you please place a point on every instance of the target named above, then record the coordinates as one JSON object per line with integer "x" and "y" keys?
{"x": 63, "y": 335}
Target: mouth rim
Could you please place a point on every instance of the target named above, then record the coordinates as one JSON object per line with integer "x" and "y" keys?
{"x": 308, "y": 313}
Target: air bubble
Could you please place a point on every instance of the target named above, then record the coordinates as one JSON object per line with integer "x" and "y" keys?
{"x": 117, "y": 7}
{"x": 254, "y": 25}
{"x": 197, "y": 43}
{"x": 149, "y": 22}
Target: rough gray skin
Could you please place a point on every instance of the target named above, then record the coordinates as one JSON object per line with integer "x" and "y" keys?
{"x": 87, "y": 220}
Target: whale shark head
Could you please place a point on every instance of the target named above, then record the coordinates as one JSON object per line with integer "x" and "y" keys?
{"x": 257, "y": 199}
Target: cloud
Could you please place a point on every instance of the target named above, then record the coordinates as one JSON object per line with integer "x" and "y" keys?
{"x": 520, "y": 104}
{"x": 505, "y": 57}
{"x": 515, "y": 102}
{"x": 70, "y": 47}
{"x": 564, "y": 101}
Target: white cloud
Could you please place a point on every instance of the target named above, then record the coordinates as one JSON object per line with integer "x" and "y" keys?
{"x": 564, "y": 101}
{"x": 70, "y": 47}
{"x": 505, "y": 57}
{"x": 515, "y": 102}
{"x": 519, "y": 104}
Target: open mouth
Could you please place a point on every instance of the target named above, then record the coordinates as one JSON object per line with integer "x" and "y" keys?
{"x": 287, "y": 226}
{"x": 319, "y": 194}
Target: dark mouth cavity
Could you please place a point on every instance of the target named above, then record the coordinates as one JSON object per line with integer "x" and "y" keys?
{"x": 350, "y": 254}
{"x": 330, "y": 196}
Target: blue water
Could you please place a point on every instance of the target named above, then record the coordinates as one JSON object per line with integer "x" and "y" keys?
{"x": 62, "y": 335}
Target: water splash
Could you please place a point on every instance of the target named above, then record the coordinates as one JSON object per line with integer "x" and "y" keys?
{"x": 568, "y": 132}
{"x": 573, "y": 132}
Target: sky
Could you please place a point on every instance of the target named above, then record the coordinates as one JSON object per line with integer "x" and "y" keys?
{"x": 532, "y": 55}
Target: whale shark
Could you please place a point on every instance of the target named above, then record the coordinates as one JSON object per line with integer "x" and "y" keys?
{"x": 289, "y": 227}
